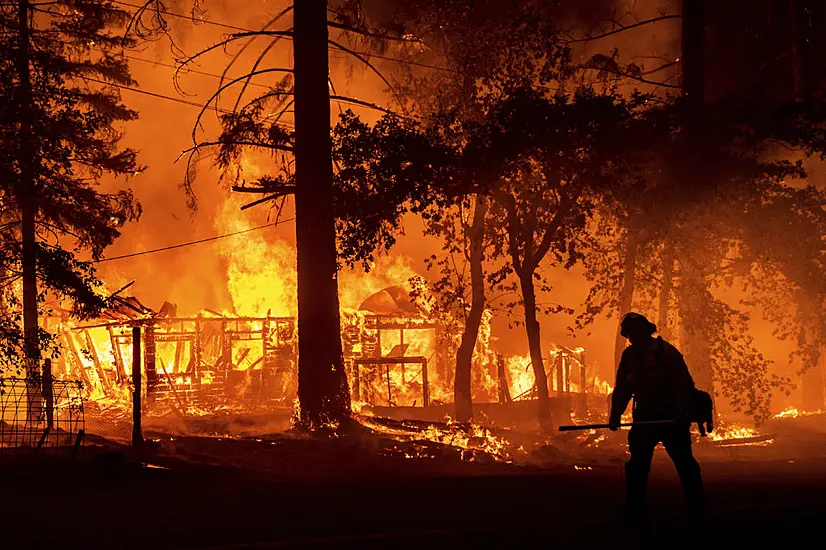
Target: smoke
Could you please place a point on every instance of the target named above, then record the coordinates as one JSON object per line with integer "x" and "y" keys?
{"x": 196, "y": 277}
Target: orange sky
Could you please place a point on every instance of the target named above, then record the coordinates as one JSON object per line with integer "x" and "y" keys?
{"x": 196, "y": 277}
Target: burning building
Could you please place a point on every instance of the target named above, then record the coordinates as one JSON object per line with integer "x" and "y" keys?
{"x": 399, "y": 361}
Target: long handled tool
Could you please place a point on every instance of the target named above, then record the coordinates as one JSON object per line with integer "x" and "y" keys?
{"x": 600, "y": 426}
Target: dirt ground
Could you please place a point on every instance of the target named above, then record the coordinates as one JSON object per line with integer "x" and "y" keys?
{"x": 282, "y": 491}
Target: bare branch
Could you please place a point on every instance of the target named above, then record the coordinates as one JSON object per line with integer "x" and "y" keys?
{"x": 513, "y": 225}
{"x": 270, "y": 146}
{"x": 229, "y": 39}
{"x": 566, "y": 204}
{"x": 286, "y": 108}
{"x": 371, "y": 34}
{"x": 624, "y": 28}
{"x": 234, "y": 81}
{"x": 255, "y": 66}
{"x": 272, "y": 44}
{"x": 265, "y": 199}
{"x": 661, "y": 67}
{"x": 355, "y": 101}
{"x": 374, "y": 69}
{"x": 279, "y": 189}
{"x": 629, "y": 76}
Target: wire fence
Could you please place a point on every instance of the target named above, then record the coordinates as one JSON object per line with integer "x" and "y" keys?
{"x": 112, "y": 422}
{"x": 41, "y": 414}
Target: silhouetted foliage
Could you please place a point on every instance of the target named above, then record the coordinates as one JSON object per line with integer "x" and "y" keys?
{"x": 729, "y": 229}
{"x": 59, "y": 127}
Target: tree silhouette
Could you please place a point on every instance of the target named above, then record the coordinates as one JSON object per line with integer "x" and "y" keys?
{"x": 724, "y": 230}
{"x": 539, "y": 160}
{"x": 303, "y": 169}
{"x": 472, "y": 52}
{"x": 59, "y": 123}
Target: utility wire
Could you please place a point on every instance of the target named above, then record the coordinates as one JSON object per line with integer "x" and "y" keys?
{"x": 185, "y": 71}
{"x": 243, "y": 29}
{"x": 151, "y": 94}
{"x": 352, "y": 101}
{"x": 166, "y": 97}
{"x": 182, "y": 16}
{"x": 191, "y": 243}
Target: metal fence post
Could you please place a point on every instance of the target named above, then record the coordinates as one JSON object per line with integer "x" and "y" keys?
{"x": 137, "y": 433}
{"x": 48, "y": 393}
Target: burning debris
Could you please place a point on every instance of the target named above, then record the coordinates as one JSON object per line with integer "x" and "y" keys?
{"x": 399, "y": 363}
{"x": 794, "y": 412}
{"x": 726, "y": 434}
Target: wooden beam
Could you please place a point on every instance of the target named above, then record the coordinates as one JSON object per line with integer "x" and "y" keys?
{"x": 283, "y": 189}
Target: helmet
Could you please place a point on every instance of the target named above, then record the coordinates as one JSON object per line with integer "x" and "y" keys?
{"x": 633, "y": 322}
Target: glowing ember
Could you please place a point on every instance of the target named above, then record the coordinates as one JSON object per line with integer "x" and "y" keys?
{"x": 793, "y": 412}
{"x": 472, "y": 438}
{"x": 732, "y": 434}
{"x": 469, "y": 440}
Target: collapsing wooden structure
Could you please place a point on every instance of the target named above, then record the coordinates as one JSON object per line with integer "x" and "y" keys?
{"x": 202, "y": 361}
{"x": 389, "y": 359}
{"x": 396, "y": 357}
{"x": 212, "y": 361}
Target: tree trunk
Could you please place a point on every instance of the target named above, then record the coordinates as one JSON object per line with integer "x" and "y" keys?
{"x": 795, "y": 48}
{"x": 813, "y": 382}
{"x": 695, "y": 339}
{"x": 814, "y": 386}
{"x": 464, "y": 357}
{"x": 28, "y": 212}
{"x": 535, "y": 347}
{"x": 806, "y": 19}
{"x": 692, "y": 58}
{"x": 665, "y": 292}
{"x": 626, "y": 297}
{"x": 323, "y": 393}
{"x": 804, "y": 79}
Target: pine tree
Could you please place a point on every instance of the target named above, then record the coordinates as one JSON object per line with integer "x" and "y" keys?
{"x": 59, "y": 114}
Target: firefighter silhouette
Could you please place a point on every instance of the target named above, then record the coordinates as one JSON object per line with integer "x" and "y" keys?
{"x": 655, "y": 375}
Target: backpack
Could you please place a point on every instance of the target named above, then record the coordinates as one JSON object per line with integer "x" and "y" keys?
{"x": 700, "y": 406}
{"x": 701, "y": 411}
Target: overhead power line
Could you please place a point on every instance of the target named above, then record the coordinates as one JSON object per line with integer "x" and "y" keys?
{"x": 192, "y": 243}
{"x": 337, "y": 99}
{"x": 185, "y": 71}
{"x": 244, "y": 29}
{"x": 151, "y": 94}
{"x": 182, "y": 16}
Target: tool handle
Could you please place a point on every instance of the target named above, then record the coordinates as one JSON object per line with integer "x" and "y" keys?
{"x": 600, "y": 426}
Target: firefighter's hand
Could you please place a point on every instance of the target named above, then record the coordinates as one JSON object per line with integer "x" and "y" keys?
{"x": 613, "y": 424}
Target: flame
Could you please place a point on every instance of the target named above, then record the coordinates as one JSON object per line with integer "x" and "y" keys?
{"x": 732, "y": 434}
{"x": 468, "y": 439}
{"x": 355, "y": 286}
{"x": 471, "y": 438}
{"x": 732, "y": 431}
{"x": 484, "y": 359}
{"x": 261, "y": 280}
{"x": 794, "y": 412}
{"x": 520, "y": 375}
{"x": 790, "y": 412}
{"x": 261, "y": 272}
{"x": 521, "y": 378}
